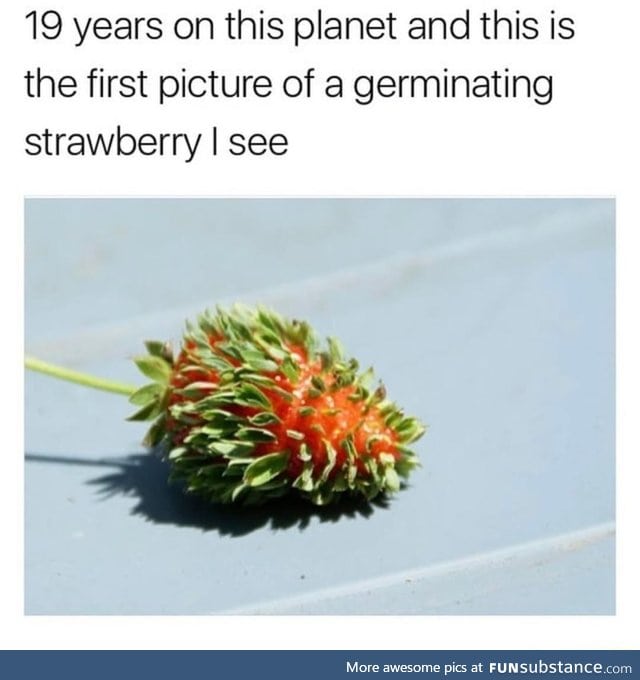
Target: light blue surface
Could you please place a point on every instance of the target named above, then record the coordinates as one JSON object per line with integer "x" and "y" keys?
{"x": 491, "y": 320}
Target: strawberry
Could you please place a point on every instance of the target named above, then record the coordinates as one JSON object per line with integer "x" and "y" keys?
{"x": 252, "y": 408}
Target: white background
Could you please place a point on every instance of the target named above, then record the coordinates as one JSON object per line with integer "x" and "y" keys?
{"x": 584, "y": 144}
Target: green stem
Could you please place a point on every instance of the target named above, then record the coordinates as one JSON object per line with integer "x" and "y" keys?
{"x": 79, "y": 378}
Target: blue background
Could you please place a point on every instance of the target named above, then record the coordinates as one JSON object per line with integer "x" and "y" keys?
{"x": 491, "y": 320}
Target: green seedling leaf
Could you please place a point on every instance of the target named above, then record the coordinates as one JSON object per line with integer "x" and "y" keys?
{"x": 265, "y": 468}
{"x": 154, "y": 367}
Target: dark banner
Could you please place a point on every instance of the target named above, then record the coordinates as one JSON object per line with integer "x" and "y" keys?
{"x": 312, "y": 665}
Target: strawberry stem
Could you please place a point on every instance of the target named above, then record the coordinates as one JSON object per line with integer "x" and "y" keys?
{"x": 34, "y": 364}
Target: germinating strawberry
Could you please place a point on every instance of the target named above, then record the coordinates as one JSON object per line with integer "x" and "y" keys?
{"x": 252, "y": 408}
